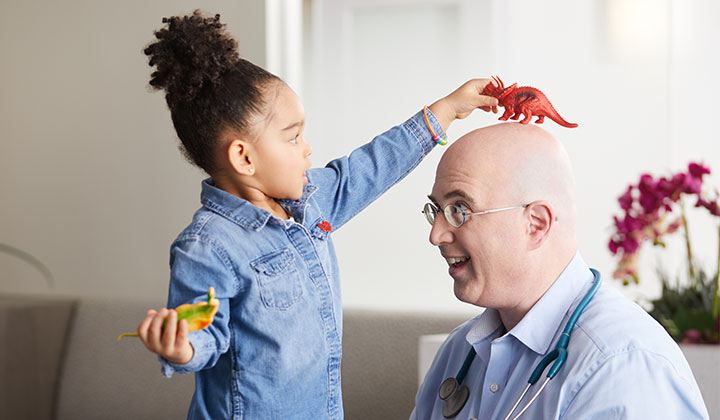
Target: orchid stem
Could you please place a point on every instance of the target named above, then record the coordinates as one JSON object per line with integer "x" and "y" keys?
{"x": 716, "y": 301}
{"x": 691, "y": 268}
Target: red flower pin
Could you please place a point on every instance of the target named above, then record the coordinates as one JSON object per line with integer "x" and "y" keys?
{"x": 325, "y": 226}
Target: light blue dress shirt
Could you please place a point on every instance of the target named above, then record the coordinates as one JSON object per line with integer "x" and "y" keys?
{"x": 621, "y": 363}
{"x": 274, "y": 348}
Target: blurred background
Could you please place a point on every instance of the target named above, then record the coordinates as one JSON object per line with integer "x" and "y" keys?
{"x": 94, "y": 190}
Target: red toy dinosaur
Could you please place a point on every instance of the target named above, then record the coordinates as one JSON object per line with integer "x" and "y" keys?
{"x": 524, "y": 100}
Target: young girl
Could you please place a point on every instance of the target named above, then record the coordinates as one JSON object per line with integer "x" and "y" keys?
{"x": 262, "y": 235}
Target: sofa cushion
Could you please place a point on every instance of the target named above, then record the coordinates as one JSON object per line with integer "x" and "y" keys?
{"x": 380, "y": 360}
{"x": 106, "y": 379}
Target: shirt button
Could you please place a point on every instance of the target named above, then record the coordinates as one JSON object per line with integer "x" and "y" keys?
{"x": 494, "y": 387}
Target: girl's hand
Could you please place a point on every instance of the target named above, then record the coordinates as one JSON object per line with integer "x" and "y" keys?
{"x": 170, "y": 342}
{"x": 463, "y": 101}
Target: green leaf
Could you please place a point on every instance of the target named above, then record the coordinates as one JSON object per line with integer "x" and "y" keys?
{"x": 694, "y": 318}
{"x": 686, "y": 307}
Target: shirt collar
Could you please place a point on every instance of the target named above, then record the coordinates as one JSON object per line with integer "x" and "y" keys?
{"x": 486, "y": 324}
{"x": 539, "y": 326}
{"x": 296, "y": 208}
{"x": 242, "y": 212}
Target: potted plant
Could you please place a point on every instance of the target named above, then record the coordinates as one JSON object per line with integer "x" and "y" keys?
{"x": 689, "y": 307}
{"x": 653, "y": 208}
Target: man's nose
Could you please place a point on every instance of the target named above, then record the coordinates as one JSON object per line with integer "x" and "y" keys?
{"x": 440, "y": 233}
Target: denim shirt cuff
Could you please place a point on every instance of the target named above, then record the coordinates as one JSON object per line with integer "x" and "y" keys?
{"x": 418, "y": 126}
{"x": 202, "y": 344}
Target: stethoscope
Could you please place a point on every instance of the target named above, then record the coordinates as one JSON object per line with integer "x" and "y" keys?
{"x": 455, "y": 395}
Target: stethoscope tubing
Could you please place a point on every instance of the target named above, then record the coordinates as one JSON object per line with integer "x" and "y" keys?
{"x": 558, "y": 355}
{"x": 559, "y": 352}
{"x": 529, "y": 402}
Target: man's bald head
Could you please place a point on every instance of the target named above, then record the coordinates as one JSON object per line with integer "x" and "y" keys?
{"x": 513, "y": 163}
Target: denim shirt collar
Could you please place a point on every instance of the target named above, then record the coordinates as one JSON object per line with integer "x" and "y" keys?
{"x": 296, "y": 208}
{"x": 539, "y": 326}
{"x": 245, "y": 214}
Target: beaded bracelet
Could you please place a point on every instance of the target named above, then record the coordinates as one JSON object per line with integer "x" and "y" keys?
{"x": 442, "y": 141}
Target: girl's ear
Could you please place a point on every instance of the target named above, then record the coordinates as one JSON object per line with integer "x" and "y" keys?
{"x": 238, "y": 154}
{"x": 540, "y": 219}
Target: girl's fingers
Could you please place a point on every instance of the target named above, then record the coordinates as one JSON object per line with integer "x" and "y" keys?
{"x": 182, "y": 333}
{"x": 155, "y": 331}
{"x": 488, "y": 100}
{"x": 168, "y": 336}
{"x": 479, "y": 84}
{"x": 182, "y": 351}
{"x": 142, "y": 328}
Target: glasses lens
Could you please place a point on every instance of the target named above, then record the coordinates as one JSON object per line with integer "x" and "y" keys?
{"x": 430, "y": 212}
{"x": 454, "y": 215}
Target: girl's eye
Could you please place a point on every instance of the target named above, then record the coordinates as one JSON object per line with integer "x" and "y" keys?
{"x": 294, "y": 140}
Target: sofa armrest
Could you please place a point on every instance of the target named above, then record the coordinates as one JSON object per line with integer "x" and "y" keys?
{"x": 33, "y": 332}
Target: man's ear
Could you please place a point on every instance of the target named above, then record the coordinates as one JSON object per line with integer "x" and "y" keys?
{"x": 540, "y": 219}
{"x": 239, "y": 156}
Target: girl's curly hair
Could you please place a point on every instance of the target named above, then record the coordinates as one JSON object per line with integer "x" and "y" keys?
{"x": 208, "y": 87}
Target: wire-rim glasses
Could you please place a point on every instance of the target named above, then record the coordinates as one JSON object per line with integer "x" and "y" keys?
{"x": 456, "y": 215}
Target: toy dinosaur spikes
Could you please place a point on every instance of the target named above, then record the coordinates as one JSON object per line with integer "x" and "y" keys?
{"x": 523, "y": 100}
{"x": 498, "y": 91}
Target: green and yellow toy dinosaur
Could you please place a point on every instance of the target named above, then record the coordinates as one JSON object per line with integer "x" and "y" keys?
{"x": 198, "y": 315}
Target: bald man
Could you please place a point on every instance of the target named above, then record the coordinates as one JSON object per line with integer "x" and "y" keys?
{"x": 503, "y": 216}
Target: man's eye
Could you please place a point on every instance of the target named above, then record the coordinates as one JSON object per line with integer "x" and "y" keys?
{"x": 462, "y": 206}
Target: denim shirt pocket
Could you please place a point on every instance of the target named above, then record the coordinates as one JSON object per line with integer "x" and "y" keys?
{"x": 278, "y": 279}
{"x": 317, "y": 233}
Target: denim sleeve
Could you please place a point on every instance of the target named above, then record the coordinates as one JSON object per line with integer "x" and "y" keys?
{"x": 634, "y": 385}
{"x": 196, "y": 263}
{"x": 349, "y": 184}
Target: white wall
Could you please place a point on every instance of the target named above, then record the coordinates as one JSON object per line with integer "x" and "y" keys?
{"x": 94, "y": 187}
{"x": 92, "y": 183}
{"x": 637, "y": 75}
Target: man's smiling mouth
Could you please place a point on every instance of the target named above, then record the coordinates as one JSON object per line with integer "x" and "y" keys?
{"x": 456, "y": 261}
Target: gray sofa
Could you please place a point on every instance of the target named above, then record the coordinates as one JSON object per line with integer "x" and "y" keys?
{"x": 60, "y": 360}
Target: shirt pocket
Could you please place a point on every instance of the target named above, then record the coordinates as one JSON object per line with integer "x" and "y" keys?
{"x": 318, "y": 233}
{"x": 278, "y": 279}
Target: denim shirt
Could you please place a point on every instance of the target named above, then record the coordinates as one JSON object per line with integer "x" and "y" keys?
{"x": 274, "y": 348}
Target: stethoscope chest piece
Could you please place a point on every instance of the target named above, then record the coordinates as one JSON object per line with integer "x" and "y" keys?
{"x": 454, "y": 397}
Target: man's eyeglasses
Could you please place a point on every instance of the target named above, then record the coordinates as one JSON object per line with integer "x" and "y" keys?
{"x": 455, "y": 214}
